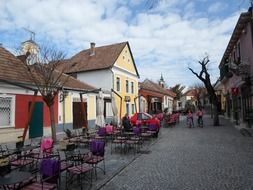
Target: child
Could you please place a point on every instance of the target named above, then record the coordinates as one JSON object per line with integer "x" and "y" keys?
{"x": 190, "y": 119}
{"x": 200, "y": 115}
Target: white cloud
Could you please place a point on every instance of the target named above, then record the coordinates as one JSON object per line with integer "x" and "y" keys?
{"x": 217, "y": 7}
{"x": 163, "y": 40}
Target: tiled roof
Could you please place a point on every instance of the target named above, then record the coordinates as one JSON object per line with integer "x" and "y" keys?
{"x": 12, "y": 69}
{"x": 151, "y": 86}
{"x": 172, "y": 94}
{"x": 243, "y": 20}
{"x": 191, "y": 92}
{"x": 104, "y": 58}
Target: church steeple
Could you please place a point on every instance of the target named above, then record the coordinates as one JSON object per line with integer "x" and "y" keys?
{"x": 161, "y": 81}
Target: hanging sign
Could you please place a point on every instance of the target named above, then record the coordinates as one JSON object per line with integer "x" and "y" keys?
{"x": 234, "y": 91}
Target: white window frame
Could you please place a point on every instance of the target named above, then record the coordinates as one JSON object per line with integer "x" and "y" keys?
{"x": 117, "y": 84}
{"x": 127, "y": 86}
{"x": 132, "y": 108}
{"x": 129, "y": 108}
{"x": 12, "y": 110}
{"x": 132, "y": 87}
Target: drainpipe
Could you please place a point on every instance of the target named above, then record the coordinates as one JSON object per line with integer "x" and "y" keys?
{"x": 251, "y": 22}
{"x": 112, "y": 78}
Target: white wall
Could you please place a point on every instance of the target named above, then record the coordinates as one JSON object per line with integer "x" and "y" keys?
{"x": 99, "y": 79}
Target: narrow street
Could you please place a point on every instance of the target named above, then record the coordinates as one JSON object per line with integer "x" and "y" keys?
{"x": 183, "y": 158}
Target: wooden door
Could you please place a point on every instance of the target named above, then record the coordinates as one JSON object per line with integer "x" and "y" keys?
{"x": 79, "y": 119}
{"x": 36, "y": 123}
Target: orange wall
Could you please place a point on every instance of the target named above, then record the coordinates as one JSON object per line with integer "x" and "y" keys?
{"x": 21, "y": 108}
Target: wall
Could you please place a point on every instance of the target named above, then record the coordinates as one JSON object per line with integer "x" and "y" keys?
{"x": 99, "y": 79}
{"x": 125, "y": 70}
{"x": 91, "y": 109}
{"x": 21, "y": 115}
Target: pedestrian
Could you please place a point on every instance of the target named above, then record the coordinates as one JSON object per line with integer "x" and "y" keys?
{"x": 200, "y": 114}
{"x": 126, "y": 123}
{"x": 190, "y": 119}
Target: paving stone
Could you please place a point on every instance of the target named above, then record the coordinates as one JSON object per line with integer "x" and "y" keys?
{"x": 194, "y": 159}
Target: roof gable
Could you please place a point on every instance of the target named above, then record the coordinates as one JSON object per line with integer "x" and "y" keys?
{"x": 104, "y": 58}
{"x": 151, "y": 86}
{"x": 126, "y": 61}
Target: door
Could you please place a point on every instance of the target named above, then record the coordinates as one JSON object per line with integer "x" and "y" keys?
{"x": 79, "y": 119}
{"x": 36, "y": 123}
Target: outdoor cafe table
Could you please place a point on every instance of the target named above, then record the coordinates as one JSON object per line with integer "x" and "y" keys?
{"x": 14, "y": 179}
{"x": 128, "y": 133}
{"x": 23, "y": 149}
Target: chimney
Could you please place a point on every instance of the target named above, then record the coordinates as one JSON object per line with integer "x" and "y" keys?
{"x": 92, "y": 49}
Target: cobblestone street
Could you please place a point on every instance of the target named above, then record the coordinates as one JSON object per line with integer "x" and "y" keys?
{"x": 182, "y": 158}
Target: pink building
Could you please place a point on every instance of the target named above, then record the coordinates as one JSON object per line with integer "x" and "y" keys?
{"x": 236, "y": 68}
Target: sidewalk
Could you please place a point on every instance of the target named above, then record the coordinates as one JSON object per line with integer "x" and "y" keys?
{"x": 197, "y": 158}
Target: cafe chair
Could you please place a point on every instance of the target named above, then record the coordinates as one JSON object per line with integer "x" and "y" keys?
{"x": 49, "y": 175}
{"x": 97, "y": 149}
{"x": 101, "y": 134}
{"x": 79, "y": 168}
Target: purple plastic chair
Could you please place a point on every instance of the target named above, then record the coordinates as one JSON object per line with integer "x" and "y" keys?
{"x": 153, "y": 127}
{"x": 97, "y": 148}
{"x": 137, "y": 131}
{"x": 50, "y": 173}
{"x": 102, "y": 131}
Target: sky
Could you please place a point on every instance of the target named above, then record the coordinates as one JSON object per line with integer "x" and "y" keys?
{"x": 166, "y": 37}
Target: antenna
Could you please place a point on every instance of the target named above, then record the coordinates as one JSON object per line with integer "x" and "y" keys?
{"x": 32, "y": 34}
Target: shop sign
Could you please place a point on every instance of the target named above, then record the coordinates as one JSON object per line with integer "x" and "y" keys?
{"x": 234, "y": 91}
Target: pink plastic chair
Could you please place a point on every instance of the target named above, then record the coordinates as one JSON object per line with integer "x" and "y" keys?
{"x": 109, "y": 129}
{"x": 46, "y": 145}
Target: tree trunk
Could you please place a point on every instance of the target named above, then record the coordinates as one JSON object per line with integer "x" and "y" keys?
{"x": 53, "y": 127}
{"x": 216, "y": 121}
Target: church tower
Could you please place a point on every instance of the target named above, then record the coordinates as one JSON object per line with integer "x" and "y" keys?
{"x": 161, "y": 81}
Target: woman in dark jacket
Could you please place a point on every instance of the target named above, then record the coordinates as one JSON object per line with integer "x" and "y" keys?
{"x": 126, "y": 123}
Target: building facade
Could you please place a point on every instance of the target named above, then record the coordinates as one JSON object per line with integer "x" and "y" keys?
{"x": 17, "y": 95}
{"x": 155, "y": 98}
{"x": 236, "y": 71}
{"x": 110, "y": 67}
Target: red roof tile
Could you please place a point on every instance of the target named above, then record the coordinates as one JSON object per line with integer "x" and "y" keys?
{"x": 13, "y": 70}
{"x": 151, "y": 86}
{"x": 104, "y": 58}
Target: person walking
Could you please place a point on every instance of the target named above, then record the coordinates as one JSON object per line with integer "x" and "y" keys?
{"x": 190, "y": 119}
{"x": 200, "y": 117}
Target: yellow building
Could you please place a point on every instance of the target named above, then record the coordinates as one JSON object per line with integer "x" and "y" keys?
{"x": 110, "y": 67}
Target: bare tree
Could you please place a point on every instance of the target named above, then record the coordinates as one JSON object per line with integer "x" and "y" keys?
{"x": 41, "y": 70}
{"x": 204, "y": 76}
{"x": 199, "y": 91}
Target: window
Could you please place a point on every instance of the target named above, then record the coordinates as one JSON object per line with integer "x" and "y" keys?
{"x": 7, "y": 106}
{"x": 127, "y": 108}
{"x": 127, "y": 86}
{"x": 118, "y": 83}
{"x": 132, "y": 87}
{"x": 108, "y": 108}
{"x": 133, "y": 109}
